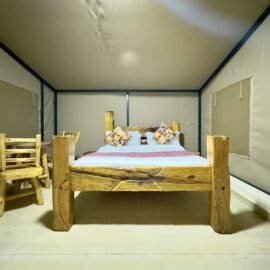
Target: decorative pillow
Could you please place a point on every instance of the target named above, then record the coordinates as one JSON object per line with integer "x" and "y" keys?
{"x": 135, "y": 137}
{"x": 152, "y": 141}
{"x": 164, "y": 135}
{"x": 117, "y": 137}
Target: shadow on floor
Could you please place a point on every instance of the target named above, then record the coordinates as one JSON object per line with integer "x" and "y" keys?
{"x": 20, "y": 203}
{"x": 186, "y": 208}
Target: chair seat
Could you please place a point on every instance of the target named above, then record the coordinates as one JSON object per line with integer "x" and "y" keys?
{"x": 21, "y": 173}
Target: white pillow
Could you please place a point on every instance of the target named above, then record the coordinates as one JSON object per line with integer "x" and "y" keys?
{"x": 135, "y": 137}
{"x": 152, "y": 141}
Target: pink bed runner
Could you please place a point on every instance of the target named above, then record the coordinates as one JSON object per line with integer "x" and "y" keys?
{"x": 142, "y": 154}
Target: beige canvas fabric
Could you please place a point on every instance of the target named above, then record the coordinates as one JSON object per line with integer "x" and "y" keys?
{"x": 231, "y": 115}
{"x": 85, "y": 112}
{"x": 19, "y": 111}
{"x": 90, "y": 44}
{"x": 148, "y": 109}
{"x": 253, "y": 60}
{"x": 14, "y": 73}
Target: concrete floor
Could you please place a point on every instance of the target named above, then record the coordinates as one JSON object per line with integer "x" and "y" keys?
{"x": 132, "y": 231}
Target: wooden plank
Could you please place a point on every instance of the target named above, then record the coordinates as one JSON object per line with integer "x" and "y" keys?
{"x": 38, "y": 148}
{"x": 16, "y": 160}
{"x": 82, "y": 182}
{"x": 140, "y": 129}
{"x": 20, "y": 166}
{"x": 22, "y": 194}
{"x": 63, "y": 197}
{"x": 141, "y": 178}
{"x": 2, "y": 152}
{"x": 20, "y": 151}
{"x": 20, "y": 140}
{"x": 22, "y": 173}
{"x": 45, "y": 167}
{"x": 217, "y": 155}
{"x": 44, "y": 176}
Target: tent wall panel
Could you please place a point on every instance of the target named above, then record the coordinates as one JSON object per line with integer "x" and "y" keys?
{"x": 252, "y": 60}
{"x": 231, "y": 115}
{"x": 19, "y": 111}
{"x": 150, "y": 109}
{"x": 84, "y": 112}
{"x": 19, "y": 97}
{"x": 14, "y": 73}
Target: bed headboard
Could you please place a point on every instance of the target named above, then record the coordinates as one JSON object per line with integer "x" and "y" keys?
{"x": 109, "y": 125}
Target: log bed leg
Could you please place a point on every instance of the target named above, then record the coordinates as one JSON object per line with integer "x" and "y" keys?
{"x": 217, "y": 155}
{"x": 63, "y": 197}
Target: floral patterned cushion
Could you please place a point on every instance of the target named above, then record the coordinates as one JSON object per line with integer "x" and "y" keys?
{"x": 164, "y": 134}
{"x": 117, "y": 137}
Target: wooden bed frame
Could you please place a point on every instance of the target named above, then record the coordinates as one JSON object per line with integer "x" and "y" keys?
{"x": 213, "y": 178}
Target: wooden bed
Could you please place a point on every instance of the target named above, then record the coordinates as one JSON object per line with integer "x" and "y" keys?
{"x": 212, "y": 178}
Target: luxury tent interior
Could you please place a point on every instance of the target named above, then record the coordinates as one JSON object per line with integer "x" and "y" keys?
{"x": 134, "y": 134}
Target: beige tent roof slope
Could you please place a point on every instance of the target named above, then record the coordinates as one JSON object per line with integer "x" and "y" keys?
{"x": 125, "y": 44}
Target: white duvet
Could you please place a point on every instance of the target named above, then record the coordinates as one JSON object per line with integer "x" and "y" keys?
{"x": 107, "y": 161}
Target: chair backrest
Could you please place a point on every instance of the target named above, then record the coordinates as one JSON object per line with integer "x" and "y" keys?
{"x": 76, "y": 135}
{"x": 23, "y": 151}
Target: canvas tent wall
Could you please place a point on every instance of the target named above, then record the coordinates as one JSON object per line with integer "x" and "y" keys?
{"x": 20, "y": 101}
{"x": 85, "y": 112}
{"x": 252, "y": 60}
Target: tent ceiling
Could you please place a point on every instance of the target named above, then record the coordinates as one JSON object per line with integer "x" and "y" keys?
{"x": 125, "y": 44}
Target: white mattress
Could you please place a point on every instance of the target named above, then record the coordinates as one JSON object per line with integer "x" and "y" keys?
{"x": 107, "y": 161}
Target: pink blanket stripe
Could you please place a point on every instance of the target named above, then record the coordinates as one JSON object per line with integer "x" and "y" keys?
{"x": 142, "y": 154}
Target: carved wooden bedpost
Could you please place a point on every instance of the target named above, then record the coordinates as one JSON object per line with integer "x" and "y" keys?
{"x": 63, "y": 198}
{"x": 217, "y": 155}
{"x": 175, "y": 126}
{"x": 109, "y": 122}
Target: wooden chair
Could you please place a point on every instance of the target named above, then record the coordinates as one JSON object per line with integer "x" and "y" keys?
{"x": 72, "y": 134}
{"x": 19, "y": 168}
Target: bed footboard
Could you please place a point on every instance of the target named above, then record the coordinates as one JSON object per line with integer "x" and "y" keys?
{"x": 213, "y": 179}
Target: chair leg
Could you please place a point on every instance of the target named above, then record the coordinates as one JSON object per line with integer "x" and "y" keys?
{"x": 2, "y": 196}
{"x": 17, "y": 185}
{"x": 36, "y": 186}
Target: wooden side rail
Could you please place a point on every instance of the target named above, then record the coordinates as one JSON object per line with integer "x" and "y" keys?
{"x": 213, "y": 179}
{"x": 160, "y": 179}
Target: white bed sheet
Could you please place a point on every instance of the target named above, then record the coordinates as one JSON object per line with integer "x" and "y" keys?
{"x": 135, "y": 161}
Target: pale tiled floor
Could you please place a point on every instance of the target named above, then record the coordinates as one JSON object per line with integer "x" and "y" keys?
{"x": 149, "y": 231}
